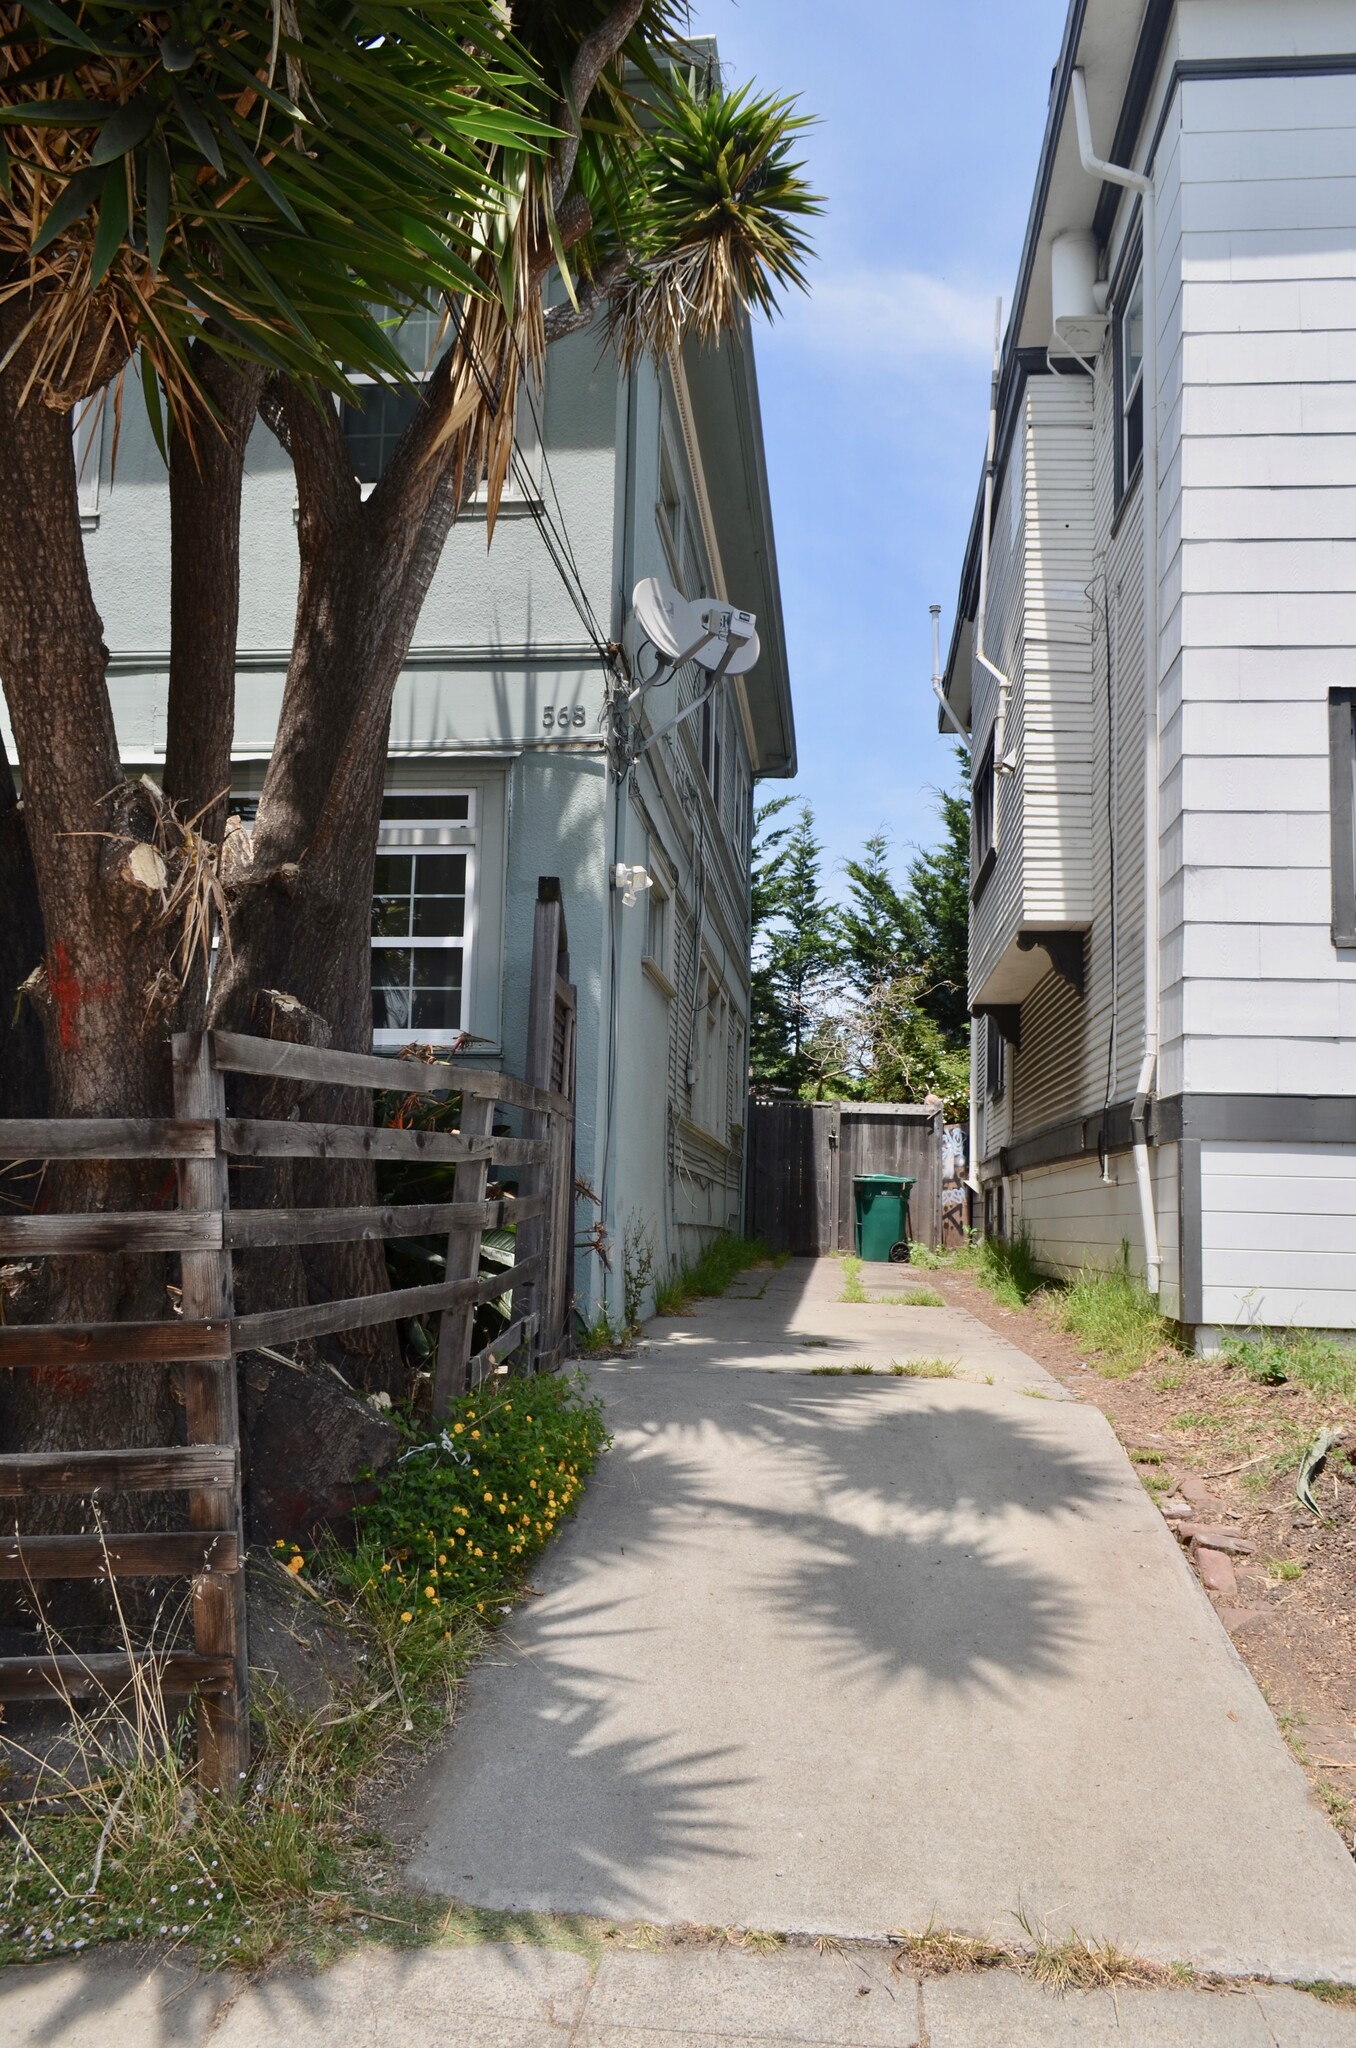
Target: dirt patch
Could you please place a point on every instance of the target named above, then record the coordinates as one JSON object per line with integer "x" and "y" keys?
{"x": 1204, "y": 1436}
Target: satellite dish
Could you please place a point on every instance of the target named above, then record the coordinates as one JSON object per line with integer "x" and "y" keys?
{"x": 702, "y": 629}
{"x": 665, "y": 617}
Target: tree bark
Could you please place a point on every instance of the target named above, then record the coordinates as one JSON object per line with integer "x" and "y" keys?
{"x": 205, "y": 474}
{"x": 105, "y": 1038}
{"x": 23, "y": 1065}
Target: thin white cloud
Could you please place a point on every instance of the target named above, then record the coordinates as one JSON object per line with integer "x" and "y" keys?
{"x": 893, "y": 317}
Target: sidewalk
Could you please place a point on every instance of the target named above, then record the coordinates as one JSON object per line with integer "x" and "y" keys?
{"x": 839, "y": 1655}
{"x": 502, "y": 1997}
{"x": 829, "y": 1656}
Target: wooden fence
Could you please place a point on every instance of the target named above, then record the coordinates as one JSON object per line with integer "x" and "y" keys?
{"x": 804, "y": 1156}
{"x": 205, "y": 1231}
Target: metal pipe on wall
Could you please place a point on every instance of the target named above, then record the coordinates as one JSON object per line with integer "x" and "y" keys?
{"x": 1142, "y": 182}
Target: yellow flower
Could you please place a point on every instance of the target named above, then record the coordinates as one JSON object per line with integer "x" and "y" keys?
{"x": 430, "y": 1593}
{"x": 457, "y": 1428}
{"x": 296, "y": 1563}
{"x": 479, "y": 1551}
{"x": 489, "y": 1496}
{"x": 386, "y": 1567}
{"x": 280, "y": 1544}
{"x": 475, "y": 1436}
{"x": 442, "y": 1557}
{"x": 407, "y": 1616}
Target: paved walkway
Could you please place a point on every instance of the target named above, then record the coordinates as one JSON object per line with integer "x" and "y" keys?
{"x": 841, "y": 1654}
{"x": 833, "y": 1655}
{"x": 503, "y": 1997}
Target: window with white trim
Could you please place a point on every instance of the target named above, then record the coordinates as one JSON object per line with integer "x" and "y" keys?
{"x": 678, "y": 524}
{"x": 995, "y": 1060}
{"x": 1130, "y": 384}
{"x": 373, "y": 429}
{"x": 423, "y": 916}
{"x": 657, "y": 925}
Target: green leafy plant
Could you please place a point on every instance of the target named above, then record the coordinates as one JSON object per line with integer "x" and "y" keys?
{"x": 1271, "y": 1357}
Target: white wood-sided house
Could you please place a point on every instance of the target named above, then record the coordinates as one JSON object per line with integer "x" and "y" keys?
{"x": 1155, "y": 657}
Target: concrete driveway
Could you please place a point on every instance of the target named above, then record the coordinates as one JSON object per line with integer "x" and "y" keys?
{"x": 840, "y": 1654}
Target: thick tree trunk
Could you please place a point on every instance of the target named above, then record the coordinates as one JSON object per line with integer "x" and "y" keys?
{"x": 23, "y": 1064}
{"x": 105, "y": 954}
{"x": 205, "y": 474}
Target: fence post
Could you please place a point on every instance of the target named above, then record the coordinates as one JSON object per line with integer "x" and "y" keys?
{"x": 455, "y": 1326}
{"x": 212, "y": 1416}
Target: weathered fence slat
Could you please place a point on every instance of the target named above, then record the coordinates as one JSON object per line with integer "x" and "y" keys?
{"x": 253, "y": 1138}
{"x": 463, "y": 1256}
{"x": 90, "y": 1472}
{"x": 108, "y": 1231}
{"x": 244, "y": 1227}
{"x": 235, "y": 1053}
{"x": 320, "y": 1319}
{"x": 106, "y": 1137}
{"x": 113, "y": 1343}
{"x": 151, "y": 1554}
{"x": 212, "y": 1416}
{"x": 75, "y": 1677}
{"x": 510, "y": 1340}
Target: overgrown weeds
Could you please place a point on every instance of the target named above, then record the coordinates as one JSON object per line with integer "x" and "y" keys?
{"x": 114, "y": 1841}
{"x": 1302, "y": 1357}
{"x": 923, "y": 1368}
{"x": 1005, "y": 1266}
{"x": 1111, "y": 1312}
{"x": 724, "y": 1259}
{"x": 1067, "y": 1962}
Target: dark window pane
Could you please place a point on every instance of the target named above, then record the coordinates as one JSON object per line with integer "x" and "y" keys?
{"x": 390, "y": 917}
{"x": 439, "y": 917}
{"x": 437, "y": 967}
{"x": 1134, "y": 433}
{"x": 391, "y": 965}
{"x": 391, "y": 875}
{"x": 437, "y": 1009}
{"x": 440, "y": 874}
{"x": 430, "y": 806}
{"x": 372, "y": 429}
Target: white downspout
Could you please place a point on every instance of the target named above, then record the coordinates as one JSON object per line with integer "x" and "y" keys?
{"x": 1003, "y": 763}
{"x": 1136, "y": 181}
{"x": 938, "y": 687}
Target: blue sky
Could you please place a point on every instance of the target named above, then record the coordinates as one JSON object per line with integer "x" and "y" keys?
{"x": 875, "y": 389}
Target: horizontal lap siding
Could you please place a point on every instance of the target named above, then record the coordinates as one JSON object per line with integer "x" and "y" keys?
{"x": 1268, "y": 612}
{"x": 1074, "y": 1218}
{"x": 1278, "y": 1234}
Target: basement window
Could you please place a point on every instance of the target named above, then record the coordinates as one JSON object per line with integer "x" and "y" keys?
{"x": 1342, "y": 771}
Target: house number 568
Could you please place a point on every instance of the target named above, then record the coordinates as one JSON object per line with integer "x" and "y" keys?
{"x": 561, "y": 716}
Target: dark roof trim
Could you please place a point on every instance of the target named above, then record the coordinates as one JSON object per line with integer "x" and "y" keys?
{"x": 1139, "y": 85}
{"x": 1025, "y": 362}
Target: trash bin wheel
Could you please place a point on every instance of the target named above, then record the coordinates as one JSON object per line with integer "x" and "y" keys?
{"x": 899, "y": 1253}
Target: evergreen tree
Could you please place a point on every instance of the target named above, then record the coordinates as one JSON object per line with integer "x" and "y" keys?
{"x": 797, "y": 953}
{"x": 879, "y": 928}
{"x": 939, "y": 892}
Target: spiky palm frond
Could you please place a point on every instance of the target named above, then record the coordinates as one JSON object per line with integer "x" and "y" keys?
{"x": 713, "y": 226}
{"x": 275, "y": 168}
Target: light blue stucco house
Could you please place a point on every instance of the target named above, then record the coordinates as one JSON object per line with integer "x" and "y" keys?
{"x": 499, "y": 772}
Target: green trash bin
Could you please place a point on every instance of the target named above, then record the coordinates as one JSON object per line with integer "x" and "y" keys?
{"x": 882, "y": 1215}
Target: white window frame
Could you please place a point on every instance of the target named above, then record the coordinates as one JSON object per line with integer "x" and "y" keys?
{"x": 530, "y": 410}
{"x": 679, "y": 530}
{"x": 1129, "y": 390}
{"x": 452, "y": 835}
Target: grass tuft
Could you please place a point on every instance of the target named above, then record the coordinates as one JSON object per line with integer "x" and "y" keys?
{"x": 937, "y": 1951}
{"x": 724, "y": 1259}
{"x": 1070, "y": 1962}
{"x": 853, "y": 1289}
{"x": 923, "y": 1369}
{"x": 1281, "y": 1569}
{"x": 1113, "y": 1313}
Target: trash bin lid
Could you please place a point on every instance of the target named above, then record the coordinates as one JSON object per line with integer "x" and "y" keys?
{"x": 884, "y": 1180}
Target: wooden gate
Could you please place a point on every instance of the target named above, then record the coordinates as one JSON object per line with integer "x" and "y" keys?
{"x": 804, "y": 1156}
{"x": 208, "y": 1549}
